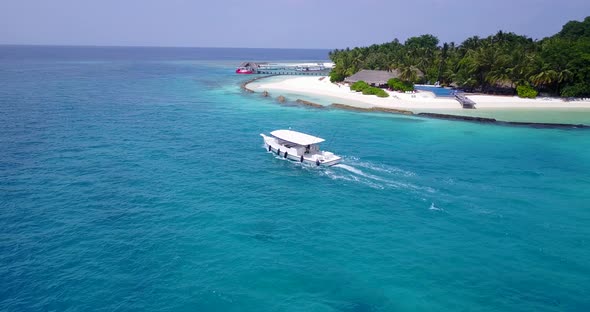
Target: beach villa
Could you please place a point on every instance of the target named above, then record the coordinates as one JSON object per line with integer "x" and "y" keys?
{"x": 375, "y": 78}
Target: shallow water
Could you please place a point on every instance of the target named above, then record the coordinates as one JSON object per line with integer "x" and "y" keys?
{"x": 545, "y": 115}
{"x": 141, "y": 183}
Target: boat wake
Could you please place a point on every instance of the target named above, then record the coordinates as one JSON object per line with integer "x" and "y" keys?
{"x": 365, "y": 175}
{"x": 382, "y": 168}
{"x": 377, "y": 176}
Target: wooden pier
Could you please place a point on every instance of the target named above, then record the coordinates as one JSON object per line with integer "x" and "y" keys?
{"x": 265, "y": 68}
{"x": 301, "y": 73}
{"x": 465, "y": 102}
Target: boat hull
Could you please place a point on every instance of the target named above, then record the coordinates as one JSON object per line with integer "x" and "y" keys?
{"x": 244, "y": 72}
{"x": 310, "y": 159}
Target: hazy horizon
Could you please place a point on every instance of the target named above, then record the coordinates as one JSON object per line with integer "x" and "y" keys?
{"x": 289, "y": 24}
{"x": 146, "y": 46}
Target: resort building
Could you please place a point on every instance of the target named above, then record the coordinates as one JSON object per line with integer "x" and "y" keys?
{"x": 377, "y": 78}
{"x": 373, "y": 77}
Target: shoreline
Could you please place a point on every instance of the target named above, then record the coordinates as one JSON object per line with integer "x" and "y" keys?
{"x": 421, "y": 104}
{"x": 244, "y": 85}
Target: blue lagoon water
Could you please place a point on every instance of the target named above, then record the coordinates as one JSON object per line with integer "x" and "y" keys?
{"x": 135, "y": 179}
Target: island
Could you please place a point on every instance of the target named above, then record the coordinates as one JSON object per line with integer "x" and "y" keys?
{"x": 540, "y": 80}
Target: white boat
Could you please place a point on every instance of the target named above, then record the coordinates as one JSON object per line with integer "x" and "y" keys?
{"x": 299, "y": 147}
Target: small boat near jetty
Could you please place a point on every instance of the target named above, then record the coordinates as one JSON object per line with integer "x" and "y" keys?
{"x": 299, "y": 147}
{"x": 244, "y": 70}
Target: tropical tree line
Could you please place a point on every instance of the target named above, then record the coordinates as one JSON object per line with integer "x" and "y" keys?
{"x": 499, "y": 63}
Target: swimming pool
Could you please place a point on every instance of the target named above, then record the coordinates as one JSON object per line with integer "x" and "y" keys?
{"x": 438, "y": 91}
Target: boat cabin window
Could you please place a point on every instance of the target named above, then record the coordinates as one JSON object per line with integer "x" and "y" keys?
{"x": 286, "y": 144}
{"x": 313, "y": 148}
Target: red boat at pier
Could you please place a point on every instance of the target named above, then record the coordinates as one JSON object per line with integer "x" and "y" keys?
{"x": 244, "y": 70}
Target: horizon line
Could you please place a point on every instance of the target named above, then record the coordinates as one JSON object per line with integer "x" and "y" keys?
{"x": 145, "y": 46}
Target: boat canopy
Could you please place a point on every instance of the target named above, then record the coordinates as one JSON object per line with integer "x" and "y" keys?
{"x": 296, "y": 137}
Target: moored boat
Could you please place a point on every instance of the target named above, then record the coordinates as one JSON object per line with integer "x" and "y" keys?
{"x": 244, "y": 70}
{"x": 299, "y": 147}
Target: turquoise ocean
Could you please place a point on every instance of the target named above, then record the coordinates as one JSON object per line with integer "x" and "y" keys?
{"x": 135, "y": 179}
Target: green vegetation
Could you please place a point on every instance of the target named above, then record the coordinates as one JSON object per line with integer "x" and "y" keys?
{"x": 366, "y": 89}
{"x": 359, "y": 86}
{"x": 526, "y": 91}
{"x": 398, "y": 85}
{"x": 558, "y": 65}
{"x": 577, "y": 90}
{"x": 375, "y": 91}
{"x": 336, "y": 77}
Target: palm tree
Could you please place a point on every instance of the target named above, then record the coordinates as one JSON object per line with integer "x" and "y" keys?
{"x": 565, "y": 76}
{"x": 545, "y": 78}
{"x": 499, "y": 76}
{"x": 393, "y": 66}
{"x": 467, "y": 69}
{"x": 408, "y": 73}
{"x": 470, "y": 43}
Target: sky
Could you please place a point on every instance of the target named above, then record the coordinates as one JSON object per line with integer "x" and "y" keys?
{"x": 275, "y": 23}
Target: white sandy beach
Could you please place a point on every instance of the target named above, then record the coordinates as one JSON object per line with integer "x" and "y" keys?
{"x": 420, "y": 101}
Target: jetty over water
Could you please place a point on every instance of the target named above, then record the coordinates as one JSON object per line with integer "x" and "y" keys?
{"x": 304, "y": 69}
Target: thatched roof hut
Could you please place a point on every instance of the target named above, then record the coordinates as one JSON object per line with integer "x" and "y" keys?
{"x": 373, "y": 77}
{"x": 251, "y": 65}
